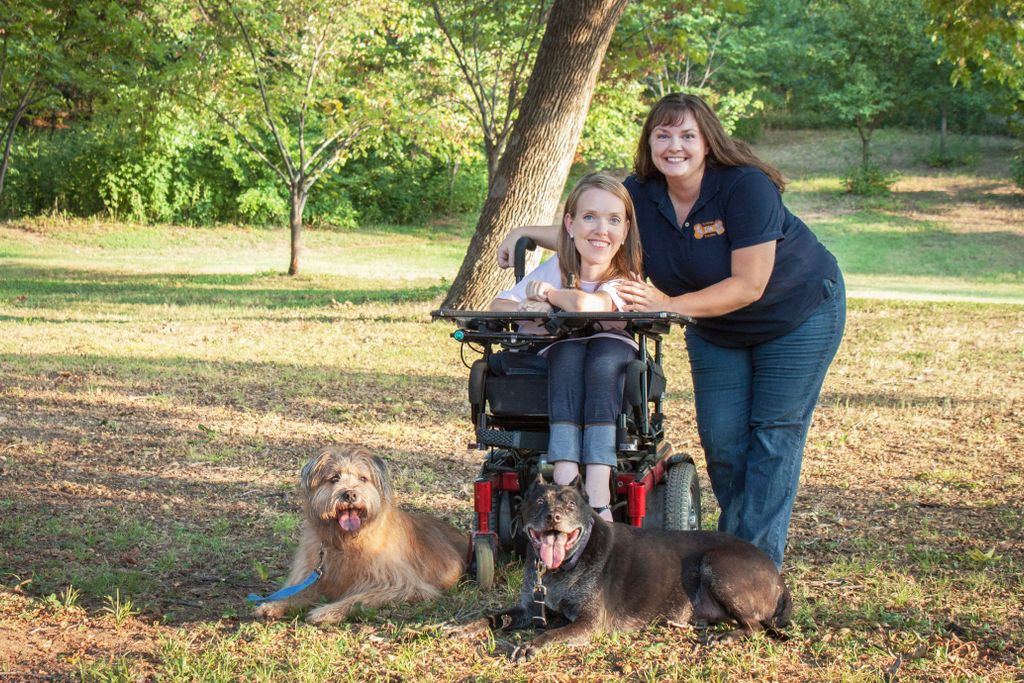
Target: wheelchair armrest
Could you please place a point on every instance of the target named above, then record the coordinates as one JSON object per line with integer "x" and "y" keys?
{"x": 477, "y": 383}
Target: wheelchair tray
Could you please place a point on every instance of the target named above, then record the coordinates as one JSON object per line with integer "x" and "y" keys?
{"x": 497, "y": 324}
{"x": 624, "y": 316}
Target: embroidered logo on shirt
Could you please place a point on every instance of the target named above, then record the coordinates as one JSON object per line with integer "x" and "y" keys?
{"x": 701, "y": 230}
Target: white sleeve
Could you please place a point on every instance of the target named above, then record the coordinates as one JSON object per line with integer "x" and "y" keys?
{"x": 611, "y": 289}
{"x": 547, "y": 271}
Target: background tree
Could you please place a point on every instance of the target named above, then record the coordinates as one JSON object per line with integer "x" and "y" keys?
{"x": 300, "y": 83}
{"x": 987, "y": 37}
{"x": 869, "y": 59}
{"x": 701, "y": 48}
{"x": 493, "y": 43}
{"x": 530, "y": 177}
{"x": 665, "y": 46}
{"x": 55, "y": 56}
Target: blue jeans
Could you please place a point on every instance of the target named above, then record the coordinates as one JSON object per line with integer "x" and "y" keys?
{"x": 585, "y": 381}
{"x": 754, "y": 407}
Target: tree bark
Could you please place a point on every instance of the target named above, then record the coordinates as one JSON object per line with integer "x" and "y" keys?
{"x": 942, "y": 133}
{"x": 865, "y": 141}
{"x": 531, "y": 175}
{"x": 11, "y": 129}
{"x": 298, "y": 204}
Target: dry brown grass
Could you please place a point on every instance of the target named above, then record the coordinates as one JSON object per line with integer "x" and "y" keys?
{"x": 160, "y": 457}
{"x": 157, "y": 400}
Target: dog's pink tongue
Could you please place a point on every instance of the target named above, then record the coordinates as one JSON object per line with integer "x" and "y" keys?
{"x": 552, "y": 550}
{"x": 349, "y": 520}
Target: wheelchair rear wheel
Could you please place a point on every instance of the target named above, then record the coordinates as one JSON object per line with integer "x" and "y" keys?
{"x": 682, "y": 497}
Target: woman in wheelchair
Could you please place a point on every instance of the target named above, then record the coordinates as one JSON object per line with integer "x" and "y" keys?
{"x": 596, "y": 251}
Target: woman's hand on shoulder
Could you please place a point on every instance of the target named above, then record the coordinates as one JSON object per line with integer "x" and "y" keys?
{"x": 545, "y": 236}
{"x": 641, "y": 296}
{"x": 507, "y": 249}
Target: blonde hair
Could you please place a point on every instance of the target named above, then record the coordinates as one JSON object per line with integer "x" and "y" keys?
{"x": 627, "y": 262}
{"x": 722, "y": 149}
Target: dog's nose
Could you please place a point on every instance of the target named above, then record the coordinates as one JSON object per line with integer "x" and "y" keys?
{"x": 554, "y": 518}
{"x": 349, "y": 496}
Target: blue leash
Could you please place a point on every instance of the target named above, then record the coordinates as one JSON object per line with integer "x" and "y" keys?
{"x": 289, "y": 591}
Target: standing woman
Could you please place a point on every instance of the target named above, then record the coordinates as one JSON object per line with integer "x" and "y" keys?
{"x": 769, "y": 299}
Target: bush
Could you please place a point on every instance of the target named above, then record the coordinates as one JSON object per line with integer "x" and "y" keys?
{"x": 1017, "y": 169}
{"x": 956, "y": 152}
{"x": 869, "y": 181}
{"x": 174, "y": 174}
{"x": 263, "y": 205}
{"x": 397, "y": 188}
{"x": 174, "y": 170}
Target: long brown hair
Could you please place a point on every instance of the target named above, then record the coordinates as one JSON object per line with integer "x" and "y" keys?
{"x": 723, "y": 150}
{"x": 627, "y": 260}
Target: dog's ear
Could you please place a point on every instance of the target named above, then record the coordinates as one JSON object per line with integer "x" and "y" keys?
{"x": 309, "y": 472}
{"x": 380, "y": 469}
{"x": 532, "y": 484}
{"x": 577, "y": 483}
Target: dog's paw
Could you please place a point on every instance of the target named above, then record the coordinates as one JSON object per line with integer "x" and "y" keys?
{"x": 327, "y": 614}
{"x": 524, "y": 653}
{"x": 501, "y": 621}
{"x": 270, "y": 610}
{"x": 727, "y": 637}
{"x": 471, "y": 630}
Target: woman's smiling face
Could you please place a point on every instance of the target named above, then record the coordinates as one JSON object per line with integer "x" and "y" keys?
{"x": 679, "y": 150}
{"x": 599, "y": 227}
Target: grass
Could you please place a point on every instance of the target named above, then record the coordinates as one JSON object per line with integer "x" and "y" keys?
{"x": 160, "y": 388}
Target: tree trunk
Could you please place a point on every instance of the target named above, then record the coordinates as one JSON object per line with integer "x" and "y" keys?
{"x": 453, "y": 172}
{"x": 12, "y": 128}
{"x": 942, "y": 134}
{"x": 8, "y": 139}
{"x": 493, "y": 157}
{"x": 531, "y": 175}
{"x": 298, "y": 204}
{"x": 865, "y": 150}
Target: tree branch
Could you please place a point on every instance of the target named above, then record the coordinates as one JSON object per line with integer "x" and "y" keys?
{"x": 3, "y": 65}
{"x": 251, "y": 49}
{"x": 313, "y": 66}
{"x": 324, "y": 145}
{"x": 248, "y": 143}
{"x": 340, "y": 149}
{"x": 472, "y": 78}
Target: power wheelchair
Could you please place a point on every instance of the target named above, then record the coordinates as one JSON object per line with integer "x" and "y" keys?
{"x": 653, "y": 487}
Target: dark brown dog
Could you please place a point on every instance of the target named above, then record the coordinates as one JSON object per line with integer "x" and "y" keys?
{"x": 603, "y": 576}
{"x": 373, "y": 553}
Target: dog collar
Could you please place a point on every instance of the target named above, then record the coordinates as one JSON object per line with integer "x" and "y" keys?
{"x": 289, "y": 591}
{"x": 580, "y": 545}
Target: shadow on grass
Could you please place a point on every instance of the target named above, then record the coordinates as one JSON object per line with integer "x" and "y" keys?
{"x": 105, "y": 494}
{"x": 101, "y": 507}
{"x": 198, "y": 561}
{"x": 923, "y": 250}
{"x": 58, "y": 287}
{"x": 989, "y": 195}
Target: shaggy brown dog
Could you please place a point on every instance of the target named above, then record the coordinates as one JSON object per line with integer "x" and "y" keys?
{"x": 373, "y": 553}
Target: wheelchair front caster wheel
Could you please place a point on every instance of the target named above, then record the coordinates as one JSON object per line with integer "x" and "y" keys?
{"x": 483, "y": 555}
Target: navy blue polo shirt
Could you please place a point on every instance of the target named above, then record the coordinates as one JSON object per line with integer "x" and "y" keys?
{"x": 738, "y": 207}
